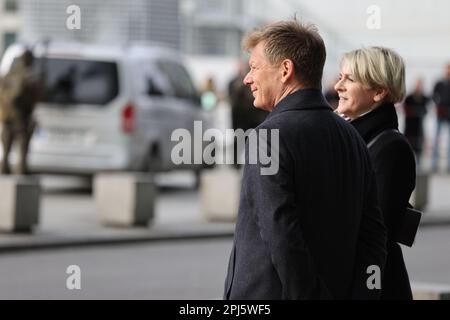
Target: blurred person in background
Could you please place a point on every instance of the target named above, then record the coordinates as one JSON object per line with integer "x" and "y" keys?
{"x": 371, "y": 81}
{"x": 415, "y": 109}
{"x": 441, "y": 97}
{"x": 209, "y": 94}
{"x": 19, "y": 92}
{"x": 331, "y": 95}
{"x": 243, "y": 114}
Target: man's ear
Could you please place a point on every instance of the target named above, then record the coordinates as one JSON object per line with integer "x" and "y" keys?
{"x": 287, "y": 70}
{"x": 380, "y": 94}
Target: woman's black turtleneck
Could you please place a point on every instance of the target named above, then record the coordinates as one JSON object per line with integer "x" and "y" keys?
{"x": 394, "y": 164}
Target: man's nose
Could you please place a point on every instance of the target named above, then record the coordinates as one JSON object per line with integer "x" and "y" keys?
{"x": 247, "y": 79}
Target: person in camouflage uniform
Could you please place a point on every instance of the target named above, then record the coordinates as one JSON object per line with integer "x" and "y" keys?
{"x": 19, "y": 92}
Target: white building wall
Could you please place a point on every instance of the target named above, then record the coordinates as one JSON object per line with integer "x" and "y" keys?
{"x": 112, "y": 21}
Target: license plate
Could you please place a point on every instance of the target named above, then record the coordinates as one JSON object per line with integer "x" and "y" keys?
{"x": 58, "y": 136}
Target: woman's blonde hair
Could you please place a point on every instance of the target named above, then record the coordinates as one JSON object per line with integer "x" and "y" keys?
{"x": 377, "y": 68}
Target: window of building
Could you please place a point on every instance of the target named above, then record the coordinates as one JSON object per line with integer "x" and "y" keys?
{"x": 8, "y": 39}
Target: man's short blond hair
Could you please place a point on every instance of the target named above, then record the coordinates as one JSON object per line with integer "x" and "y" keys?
{"x": 301, "y": 43}
{"x": 378, "y": 68}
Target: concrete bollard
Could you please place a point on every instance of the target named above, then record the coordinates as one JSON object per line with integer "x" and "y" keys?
{"x": 19, "y": 203}
{"x": 125, "y": 199}
{"x": 219, "y": 193}
{"x": 428, "y": 291}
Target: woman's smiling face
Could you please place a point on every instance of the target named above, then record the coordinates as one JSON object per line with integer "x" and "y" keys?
{"x": 354, "y": 98}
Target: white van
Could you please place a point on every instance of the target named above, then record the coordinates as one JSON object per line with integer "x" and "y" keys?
{"x": 109, "y": 108}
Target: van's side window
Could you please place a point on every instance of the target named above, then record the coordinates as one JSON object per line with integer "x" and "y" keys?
{"x": 73, "y": 81}
{"x": 153, "y": 89}
{"x": 179, "y": 80}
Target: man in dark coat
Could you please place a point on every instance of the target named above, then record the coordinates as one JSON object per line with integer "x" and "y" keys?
{"x": 313, "y": 229}
{"x": 415, "y": 108}
{"x": 441, "y": 97}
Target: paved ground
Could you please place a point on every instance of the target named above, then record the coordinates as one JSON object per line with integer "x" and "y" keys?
{"x": 187, "y": 269}
{"x": 68, "y": 215}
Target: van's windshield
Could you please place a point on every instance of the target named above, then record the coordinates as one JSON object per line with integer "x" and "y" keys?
{"x": 71, "y": 81}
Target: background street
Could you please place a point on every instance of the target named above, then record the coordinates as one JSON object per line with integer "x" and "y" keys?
{"x": 171, "y": 269}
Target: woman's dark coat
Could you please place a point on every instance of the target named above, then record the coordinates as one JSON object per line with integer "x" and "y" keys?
{"x": 395, "y": 170}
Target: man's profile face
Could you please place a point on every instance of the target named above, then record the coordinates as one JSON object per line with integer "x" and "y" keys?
{"x": 263, "y": 79}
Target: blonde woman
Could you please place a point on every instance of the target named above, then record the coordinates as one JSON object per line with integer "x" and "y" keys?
{"x": 371, "y": 81}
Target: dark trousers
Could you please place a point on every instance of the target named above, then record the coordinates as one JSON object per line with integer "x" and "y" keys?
{"x": 22, "y": 133}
